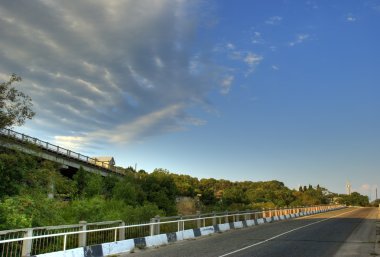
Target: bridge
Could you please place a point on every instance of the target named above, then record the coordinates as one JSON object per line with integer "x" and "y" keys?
{"x": 45, "y": 150}
{"x": 329, "y": 230}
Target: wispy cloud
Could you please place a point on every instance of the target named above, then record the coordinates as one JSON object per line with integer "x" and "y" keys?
{"x": 374, "y": 5}
{"x": 350, "y": 18}
{"x": 275, "y": 67}
{"x": 107, "y": 68}
{"x": 230, "y": 46}
{"x": 300, "y": 38}
{"x": 368, "y": 189}
{"x": 274, "y": 20}
{"x": 226, "y": 84}
{"x": 250, "y": 60}
{"x": 257, "y": 38}
{"x": 312, "y": 4}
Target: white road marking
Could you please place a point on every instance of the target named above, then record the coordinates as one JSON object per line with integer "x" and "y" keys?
{"x": 279, "y": 235}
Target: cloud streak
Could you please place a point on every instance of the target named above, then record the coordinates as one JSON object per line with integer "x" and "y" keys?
{"x": 129, "y": 69}
{"x": 300, "y": 38}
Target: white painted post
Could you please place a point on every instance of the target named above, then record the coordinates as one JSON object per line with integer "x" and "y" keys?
{"x": 213, "y": 219}
{"x": 122, "y": 231}
{"x": 27, "y": 244}
{"x": 151, "y": 226}
{"x": 247, "y": 215}
{"x": 157, "y": 226}
{"x": 82, "y": 237}
{"x": 198, "y": 220}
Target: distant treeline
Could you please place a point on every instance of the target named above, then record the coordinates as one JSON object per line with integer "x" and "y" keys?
{"x": 26, "y": 182}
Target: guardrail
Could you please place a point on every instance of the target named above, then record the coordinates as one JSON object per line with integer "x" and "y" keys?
{"x": 58, "y": 150}
{"x": 34, "y": 241}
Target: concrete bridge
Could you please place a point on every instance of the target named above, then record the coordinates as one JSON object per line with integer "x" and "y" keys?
{"x": 70, "y": 160}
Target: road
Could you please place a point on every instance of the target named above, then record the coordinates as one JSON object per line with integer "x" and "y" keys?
{"x": 346, "y": 232}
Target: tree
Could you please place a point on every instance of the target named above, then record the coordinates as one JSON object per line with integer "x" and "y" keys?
{"x": 15, "y": 106}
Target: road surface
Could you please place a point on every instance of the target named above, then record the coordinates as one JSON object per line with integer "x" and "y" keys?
{"x": 346, "y": 232}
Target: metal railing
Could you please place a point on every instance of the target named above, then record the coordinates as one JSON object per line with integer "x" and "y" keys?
{"x": 34, "y": 241}
{"x": 59, "y": 150}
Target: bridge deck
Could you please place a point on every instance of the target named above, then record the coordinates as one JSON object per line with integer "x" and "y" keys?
{"x": 31, "y": 145}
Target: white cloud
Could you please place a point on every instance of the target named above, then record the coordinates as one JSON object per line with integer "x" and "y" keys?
{"x": 350, "y": 18}
{"x": 257, "y": 38}
{"x": 226, "y": 84}
{"x": 274, "y": 67}
{"x": 230, "y": 46}
{"x": 274, "y": 20}
{"x": 252, "y": 59}
{"x": 142, "y": 126}
{"x": 74, "y": 143}
{"x": 107, "y": 65}
{"x": 300, "y": 38}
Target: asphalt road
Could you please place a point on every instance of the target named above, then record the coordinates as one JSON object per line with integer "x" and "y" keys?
{"x": 347, "y": 232}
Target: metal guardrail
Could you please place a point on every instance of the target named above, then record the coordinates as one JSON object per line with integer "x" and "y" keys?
{"x": 34, "y": 241}
{"x": 59, "y": 150}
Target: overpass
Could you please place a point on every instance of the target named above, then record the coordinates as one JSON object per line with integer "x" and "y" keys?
{"x": 45, "y": 150}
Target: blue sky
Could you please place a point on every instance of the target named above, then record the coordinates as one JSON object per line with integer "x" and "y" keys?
{"x": 239, "y": 90}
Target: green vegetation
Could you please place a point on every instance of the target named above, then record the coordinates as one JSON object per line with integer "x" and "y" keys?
{"x": 27, "y": 182}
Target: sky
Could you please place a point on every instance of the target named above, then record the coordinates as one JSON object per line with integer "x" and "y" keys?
{"x": 239, "y": 90}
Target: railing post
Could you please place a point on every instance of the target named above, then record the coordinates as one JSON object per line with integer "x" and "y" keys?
{"x": 27, "y": 244}
{"x": 181, "y": 224}
{"x": 82, "y": 237}
{"x": 247, "y": 215}
{"x": 226, "y": 218}
{"x": 213, "y": 218}
{"x": 157, "y": 226}
{"x": 198, "y": 220}
{"x": 151, "y": 226}
{"x": 122, "y": 231}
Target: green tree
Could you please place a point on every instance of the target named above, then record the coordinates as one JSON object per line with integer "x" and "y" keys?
{"x": 161, "y": 190}
{"x": 126, "y": 192}
{"x": 13, "y": 167}
{"x": 15, "y": 106}
{"x": 80, "y": 180}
